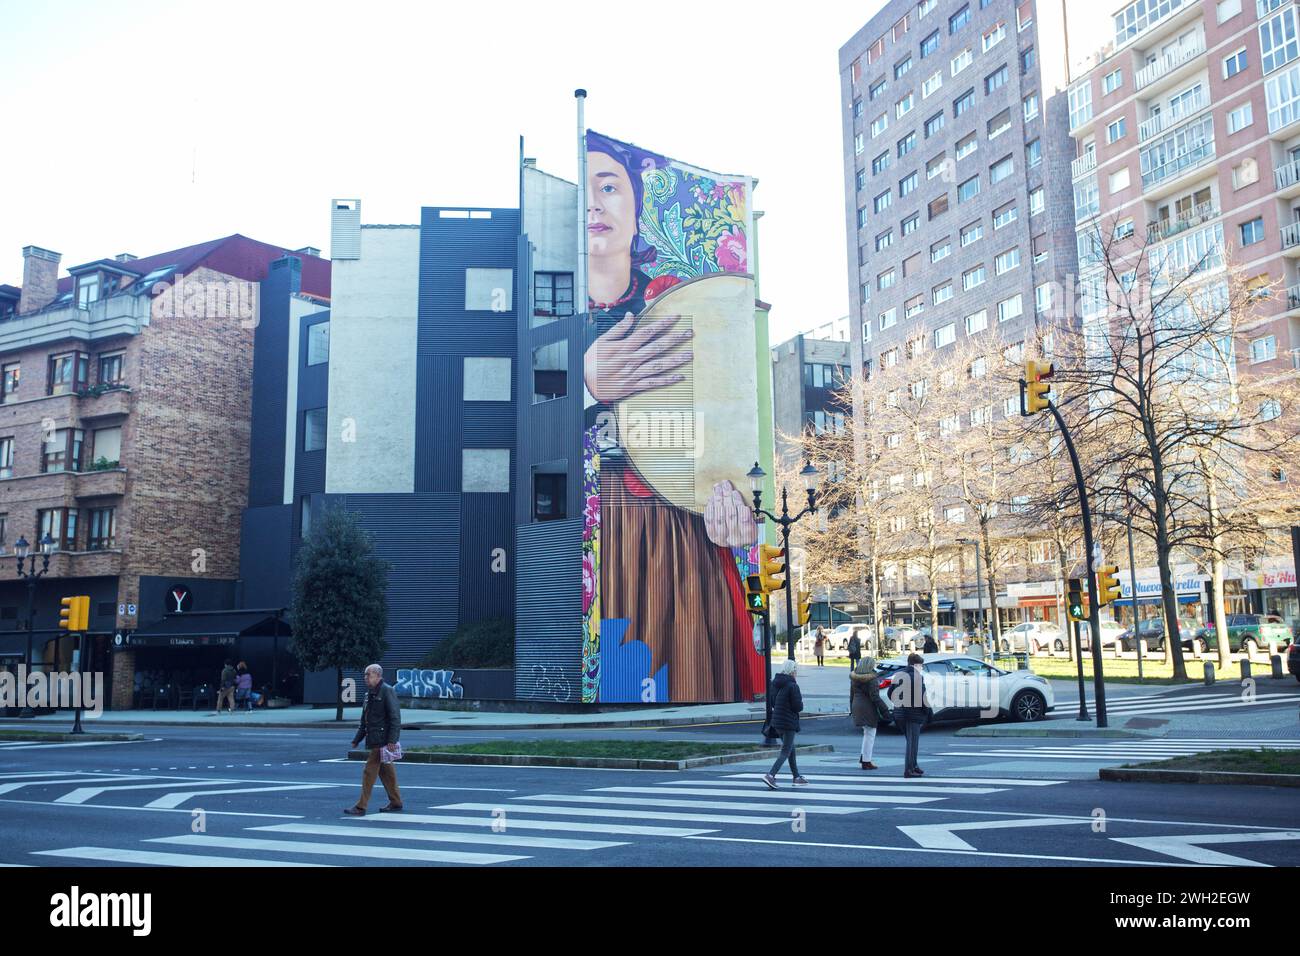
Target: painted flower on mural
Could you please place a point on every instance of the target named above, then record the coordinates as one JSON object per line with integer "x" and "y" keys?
{"x": 590, "y": 516}
{"x": 588, "y": 581}
{"x": 732, "y": 252}
{"x": 695, "y": 223}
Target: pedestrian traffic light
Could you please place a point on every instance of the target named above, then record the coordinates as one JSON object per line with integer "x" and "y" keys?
{"x": 1107, "y": 584}
{"x": 771, "y": 567}
{"x": 755, "y": 598}
{"x": 805, "y": 607}
{"x": 1036, "y": 386}
{"x": 75, "y": 613}
{"x": 1074, "y": 602}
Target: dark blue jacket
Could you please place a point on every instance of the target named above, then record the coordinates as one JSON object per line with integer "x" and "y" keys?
{"x": 907, "y": 694}
{"x": 787, "y": 703}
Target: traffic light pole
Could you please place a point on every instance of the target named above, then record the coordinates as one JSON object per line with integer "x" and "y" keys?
{"x": 1078, "y": 664}
{"x": 786, "y": 522}
{"x": 766, "y": 618}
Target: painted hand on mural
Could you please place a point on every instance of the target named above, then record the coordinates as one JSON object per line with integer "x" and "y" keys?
{"x": 728, "y": 519}
{"x": 627, "y": 360}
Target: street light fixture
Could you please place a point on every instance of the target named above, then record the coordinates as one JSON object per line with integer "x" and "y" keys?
{"x": 979, "y": 599}
{"x": 24, "y": 551}
{"x": 809, "y": 475}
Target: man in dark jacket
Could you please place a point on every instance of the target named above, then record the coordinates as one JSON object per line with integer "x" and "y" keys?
{"x": 380, "y": 727}
{"x": 910, "y": 710}
{"x": 855, "y": 652}
{"x": 226, "y": 688}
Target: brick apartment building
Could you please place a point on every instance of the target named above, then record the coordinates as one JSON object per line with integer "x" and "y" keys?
{"x": 124, "y": 436}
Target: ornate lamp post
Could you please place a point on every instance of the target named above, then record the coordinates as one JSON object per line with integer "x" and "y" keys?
{"x": 24, "y": 552}
{"x": 809, "y": 475}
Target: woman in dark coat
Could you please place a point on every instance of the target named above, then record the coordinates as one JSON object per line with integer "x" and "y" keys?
{"x": 787, "y": 704}
{"x": 865, "y": 706}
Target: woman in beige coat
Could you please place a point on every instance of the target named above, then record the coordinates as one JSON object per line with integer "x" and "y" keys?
{"x": 865, "y": 706}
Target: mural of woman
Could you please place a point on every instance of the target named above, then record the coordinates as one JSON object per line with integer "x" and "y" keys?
{"x": 667, "y": 571}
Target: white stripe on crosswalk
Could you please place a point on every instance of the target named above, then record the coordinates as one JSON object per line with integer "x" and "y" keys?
{"x": 689, "y": 804}
{"x": 80, "y": 743}
{"x": 508, "y": 821}
{"x": 1259, "y": 700}
{"x": 105, "y": 854}
{"x": 55, "y": 781}
{"x": 370, "y": 852}
{"x": 179, "y": 797}
{"x": 45, "y": 773}
{"x": 989, "y": 781}
{"x": 82, "y": 794}
{"x": 438, "y": 836}
{"x": 853, "y": 784}
{"x": 620, "y": 813}
{"x": 803, "y": 793}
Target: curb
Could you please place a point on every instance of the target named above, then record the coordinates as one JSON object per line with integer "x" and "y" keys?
{"x": 606, "y": 763}
{"x": 1132, "y": 775}
{"x": 54, "y": 737}
{"x": 1027, "y": 731}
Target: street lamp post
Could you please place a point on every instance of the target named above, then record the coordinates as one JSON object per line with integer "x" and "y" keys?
{"x": 979, "y": 597}
{"x": 809, "y": 475}
{"x": 23, "y": 550}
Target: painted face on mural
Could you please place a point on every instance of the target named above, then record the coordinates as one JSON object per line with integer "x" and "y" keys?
{"x": 611, "y": 214}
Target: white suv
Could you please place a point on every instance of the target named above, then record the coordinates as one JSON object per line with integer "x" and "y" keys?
{"x": 966, "y": 688}
{"x": 1038, "y": 635}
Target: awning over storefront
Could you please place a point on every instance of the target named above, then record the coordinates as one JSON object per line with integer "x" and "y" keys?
{"x": 1039, "y": 600}
{"x": 13, "y": 644}
{"x": 204, "y": 629}
{"x": 1155, "y": 599}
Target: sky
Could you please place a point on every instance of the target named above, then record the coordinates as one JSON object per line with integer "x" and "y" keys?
{"x": 142, "y": 126}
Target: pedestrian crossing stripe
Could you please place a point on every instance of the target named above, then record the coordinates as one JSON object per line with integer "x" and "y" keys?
{"x": 621, "y": 813}
{"x": 911, "y": 783}
{"x": 802, "y": 794}
{"x": 176, "y": 798}
{"x": 886, "y": 785}
{"x": 1234, "y": 700}
{"x": 368, "y": 852}
{"x": 508, "y": 821}
{"x": 438, "y": 836}
{"x": 688, "y": 804}
{"x": 104, "y": 854}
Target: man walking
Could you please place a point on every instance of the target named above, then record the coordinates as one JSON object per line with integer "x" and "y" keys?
{"x": 910, "y": 708}
{"x": 855, "y": 652}
{"x": 380, "y": 727}
{"x": 226, "y": 689}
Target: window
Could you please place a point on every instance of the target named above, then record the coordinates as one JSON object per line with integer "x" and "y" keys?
{"x": 945, "y": 335}
{"x": 950, "y": 425}
{"x": 1232, "y": 65}
{"x": 934, "y": 167}
{"x": 932, "y": 83}
{"x": 1253, "y": 231}
{"x": 68, "y": 372}
{"x": 862, "y": 216}
{"x": 941, "y": 249}
{"x": 926, "y": 6}
{"x": 1028, "y": 59}
{"x": 888, "y": 319}
{"x": 87, "y": 290}
{"x": 1039, "y": 247}
{"x": 930, "y": 44}
{"x": 904, "y": 106}
{"x": 1030, "y": 106}
{"x": 900, "y": 28}
{"x": 1033, "y": 153}
{"x": 910, "y": 224}
{"x": 941, "y": 293}
{"x": 971, "y": 233}
{"x": 1004, "y": 262}
{"x": 11, "y": 374}
{"x": 993, "y": 37}
{"x": 906, "y": 144}
{"x": 102, "y": 532}
{"x": 973, "y": 278}
{"x": 959, "y": 19}
{"x": 62, "y": 452}
{"x": 1124, "y": 229}
{"x": 1112, "y": 81}
{"x": 911, "y": 265}
{"x": 1000, "y": 170}
{"x": 913, "y": 306}
{"x": 885, "y": 280}
{"x": 1270, "y": 410}
{"x": 551, "y": 371}
{"x": 1043, "y": 298}
{"x": 1037, "y": 201}
{"x": 314, "y": 424}
{"x": 961, "y": 61}
{"x": 880, "y": 163}
{"x": 1119, "y": 180}
{"x": 1116, "y": 130}
{"x": 1227, "y": 9}
{"x": 110, "y": 368}
{"x": 879, "y": 125}
{"x": 877, "y": 88}
{"x": 884, "y": 240}
{"x": 978, "y": 368}
{"x": 977, "y": 321}
{"x": 860, "y": 179}
{"x": 902, "y": 67}
{"x": 859, "y": 144}
{"x": 60, "y": 524}
{"x": 1240, "y": 118}
{"x": 106, "y": 447}
{"x": 857, "y": 108}
{"x": 933, "y": 125}
{"x": 7, "y": 457}
{"x": 1263, "y": 350}
{"x": 967, "y": 145}
{"x": 995, "y": 80}
{"x": 999, "y": 124}
{"x": 907, "y": 185}
{"x": 1277, "y": 41}
{"x": 550, "y": 497}
{"x": 968, "y": 190}
{"x": 552, "y": 296}
{"x": 957, "y": 514}
{"x": 1011, "y": 308}
{"x": 489, "y": 290}
{"x": 882, "y": 202}
{"x": 937, "y": 207}
{"x": 1080, "y": 104}
{"x": 962, "y": 104}
{"x": 1004, "y": 215}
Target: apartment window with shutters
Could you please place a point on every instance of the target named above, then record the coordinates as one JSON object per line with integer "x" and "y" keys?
{"x": 879, "y": 125}
{"x": 906, "y": 144}
{"x": 907, "y": 184}
{"x": 318, "y": 343}
{"x": 859, "y": 144}
{"x": 1033, "y": 153}
{"x": 877, "y": 89}
{"x": 910, "y": 224}
{"x": 971, "y": 232}
{"x": 1030, "y": 106}
{"x": 963, "y": 104}
{"x": 912, "y": 265}
{"x": 967, "y": 145}
{"x": 941, "y": 250}
{"x": 977, "y": 321}
{"x": 1039, "y": 246}
{"x": 880, "y": 163}
{"x": 945, "y": 335}
{"x": 857, "y": 108}
{"x": 62, "y": 452}
{"x": 973, "y": 278}
{"x": 903, "y": 106}
{"x": 860, "y": 180}
{"x": 978, "y": 368}
{"x": 934, "y": 167}
{"x": 931, "y": 84}
{"x": 1004, "y": 262}
{"x": 888, "y": 319}
{"x": 102, "y": 529}
{"x": 961, "y": 61}
{"x": 1043, "y": 298}
{"x": 885, "y": 280}
{"x": 1009, "y": 309}
{"x": 1001, "y": 170}
{"x": 11, "y": 372}
{"x": 1004, "y": 215}
{"x": 876, "y": 50}
{"x": 68, "y": 372}
{"x": 106, "y": 447}
{"x": 884, "y": 240}
{"x": 862, "y": 216}
{"x": 999, "y": 124}
{"x": 941, "y": 293}
{"x": 959, "y": 19}
{"x": 902, "y": 67}
{"x": 993, "y": 37}
{"x": 937, "y": 207}
{"x": 933, "y": 125}
{"x": 1028, "y": 59}
{"x": 314, "y": 423}
{"x": 111, "y": 367}
{"x": 913, "y": 306}
{"x": 1037, "y": 201}
{"x": 930, "y": 44}
{"x": 7, "y": 457}
{"x": 1263, "y": 349}
{"x": 995, "y": 80}
{"x": 968, "y": 190}
{"x": 60, "y": 524}
{"x": 882, "y": 202}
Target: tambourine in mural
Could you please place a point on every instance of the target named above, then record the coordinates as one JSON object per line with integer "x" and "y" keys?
{"x": 685, "y": 437}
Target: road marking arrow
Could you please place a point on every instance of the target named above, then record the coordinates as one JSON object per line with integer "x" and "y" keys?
{"x": 941, "y": 836}
{"x": 1188, "y": 846}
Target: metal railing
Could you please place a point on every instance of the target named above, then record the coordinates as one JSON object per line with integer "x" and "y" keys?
{"x": 1083, "y": 165}
{"x": 1155, "y": 125}
{"x": 1164, "y": 228}
{"x": 1170, "y": 61}
{"x": 1291, "y": 235}
{"x": 1287, "y": 175}
{"x": 1188, "y": 159}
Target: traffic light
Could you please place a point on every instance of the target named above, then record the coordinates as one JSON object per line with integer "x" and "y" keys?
{"x": 1036, "y": 386}
{"x": 771, "y": 567}
{"x": 755, "y": 598}
{"x": 75, "y": 613}
{"x": 1074, "y": 600}
{"x": 805, "y": 607}
{"x": 1107, "y": 584}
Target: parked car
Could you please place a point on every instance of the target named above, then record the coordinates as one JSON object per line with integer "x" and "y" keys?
{"x": 1111, "y": 631}
{"x": 1250, "y": 633}
{"x": 838, "y": 639}
{"x": 1152, "y": 630}
{"x": 947, "y": 639}
{"x": 966, "y": 688}
{"x": 900, "y": 638}
{"x": 1293, "y": 660}
{"x": 1038, "y": 636}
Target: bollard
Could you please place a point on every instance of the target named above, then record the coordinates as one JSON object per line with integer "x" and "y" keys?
{"x": 1209, "y": 673}
{"x": 1142, "y": 647}
{"x": 1245, "y": 668}
{"x": 1276, "y": 661}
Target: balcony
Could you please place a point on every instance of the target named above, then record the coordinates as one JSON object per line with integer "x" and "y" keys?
{"x": 1264, "y": 7}
{"x": 92, "y": 404}
{"x": 1293, "y": 298}
{"x": 1291, "y": 237}
{"x": 1163, "y": 229}
{"x": 1162, "y": 121}
{"x": 102, "y": 483}
{"x": 1168, "y": 173}
{"x": 122, "y": 314}
{"x": 1169, "y": 63}
{"x": 1083, "y": 165}
{"x": 1286, "y": 179}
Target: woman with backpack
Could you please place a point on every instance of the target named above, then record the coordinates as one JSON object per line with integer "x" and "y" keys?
{"x": 787, "y": 704}
{"x": 866, "y": 707}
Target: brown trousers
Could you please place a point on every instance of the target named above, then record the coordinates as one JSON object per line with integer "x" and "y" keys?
{"x": 387, "y": 774}
{"x": 224, "y": 697}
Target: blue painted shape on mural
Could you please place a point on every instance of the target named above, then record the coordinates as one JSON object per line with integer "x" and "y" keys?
{"x": 624, "y": 668}
{"x": 427, "y": 684}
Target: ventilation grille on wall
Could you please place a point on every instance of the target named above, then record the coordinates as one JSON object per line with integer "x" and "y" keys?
{"x": 345, "y": 229}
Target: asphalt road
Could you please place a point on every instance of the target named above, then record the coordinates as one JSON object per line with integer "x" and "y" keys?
{"x": 232, "y": 795}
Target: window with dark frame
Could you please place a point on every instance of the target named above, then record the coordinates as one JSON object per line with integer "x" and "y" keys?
{"x": 313, "y": 429}
{"x": 552, "y": 295}
{"x": 550, "y": 499}
{"x": 60, "y": 524}
{"x": 63, "y": 451}
{"x": 318, "y": 343}
{"x": 111, "y": 368}
{"x": 102, "y": 533}
{"x": 6, "y": 457}
{"x": 11, "y": 372}
{"x": 68, "y": 372}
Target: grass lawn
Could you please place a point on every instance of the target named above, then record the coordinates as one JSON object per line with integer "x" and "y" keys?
{"x": 1121, "y": 671}
{"x": 631, "y": 749}
{"x": 32, "y": 734}
{"x": 1231, "y": 761}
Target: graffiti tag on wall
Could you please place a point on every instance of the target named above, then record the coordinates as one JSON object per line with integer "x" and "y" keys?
{"x": 428, "y": 684}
